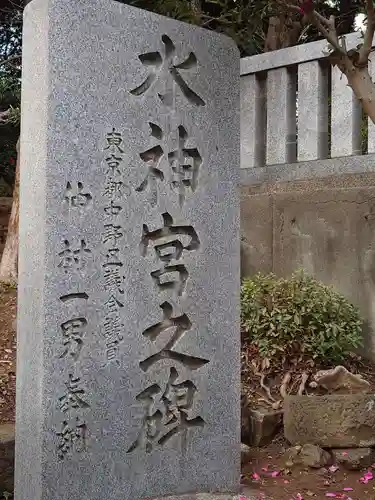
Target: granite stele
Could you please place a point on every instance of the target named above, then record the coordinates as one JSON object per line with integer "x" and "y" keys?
{"x": 128, "y": 360}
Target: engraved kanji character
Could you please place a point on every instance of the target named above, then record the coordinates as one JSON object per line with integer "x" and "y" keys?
{"x": 113, "y": 327}
{"x": 159, "y": 426}
{"x": 185, "y": 163}
{"x": 73, "y": 398}
{"x": 168, "y": 230}
{"x": 152, "y": 420}
{"x": 165, "y": 67}
{"x": 74, "y": 258}
{"x": 153, "y": 158}
{"x": 112, "y": 209}
{"x": 113, "y": 281}
{"x": 71, "y": 437}
{"x": 113, "y": 305}
{"x": 114, "y": 140}
{"x": 170, "y": 276}
{"x": 113, "y": 189}
{"x": 178, "y": 400}
{"x": 180, "y": 325}
{"x": 73, "y": 331}
{"x": 112, "y": 234}
{"x": 112, "y": 349}
{"x": 74, "y": 296}
{"x": 75, "y": 197}
{"x": 112, "y": 258}
{"x": 113, "y": 163}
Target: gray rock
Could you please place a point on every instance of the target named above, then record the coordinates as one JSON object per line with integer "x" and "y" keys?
{"x": 259, "y": 426}
{"x": 246, "y": 454}
{"x": 129, "y": 375}
{"x": 354, "y": 458}
{"x": 319, "y": 420}
{"x": 314, "y": 456}
{"x": 308, "y": 455}
{"x": 339, "y": 379}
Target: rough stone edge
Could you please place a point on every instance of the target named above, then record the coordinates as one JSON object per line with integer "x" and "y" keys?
{"x": 306, "y": 170}
{"x": 30, "y": 320}
{"x": 292, "y": 55}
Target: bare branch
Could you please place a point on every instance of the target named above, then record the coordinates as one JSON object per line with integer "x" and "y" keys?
{"x": 325, "y": 22}
{"x": 302, "y": 386}
{"x": 365, "y": 49}
{"x": 9, "y": 60}
{"x": 329, "y": 34}
{"x": 325, "y": 26}
{"x": 284, "y": 384}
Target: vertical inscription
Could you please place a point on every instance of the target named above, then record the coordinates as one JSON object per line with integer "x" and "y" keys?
{"x": 73, "y": 402}
{"x": 167, "y": 407}
{"x": 112, "y": 235}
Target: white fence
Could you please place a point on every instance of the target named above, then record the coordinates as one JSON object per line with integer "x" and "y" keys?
{"x": 295, "y": 107}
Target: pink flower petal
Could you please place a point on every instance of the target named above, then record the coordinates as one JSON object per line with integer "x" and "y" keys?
{"x": 299, "y": 496}
{"x": 345, "y": 453}
{"x": 275, "y": 473}
{"x": 331, "y": 495}
{"x": 256, "y": 476}
{"x": 348, "y": 489}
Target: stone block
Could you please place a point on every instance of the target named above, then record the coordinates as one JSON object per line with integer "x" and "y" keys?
{"x": 308, "y": 455}
{"x": 333, "y": 421}
{"x": 354, "y": 458}
{"x": 128, "y": 373}
{"x": 263, "y": 426}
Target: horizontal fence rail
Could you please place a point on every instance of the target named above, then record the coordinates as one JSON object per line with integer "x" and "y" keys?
{"x": 296, "y": 107}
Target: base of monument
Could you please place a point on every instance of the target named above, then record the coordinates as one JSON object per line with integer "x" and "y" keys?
{"x": 245, "y": 491}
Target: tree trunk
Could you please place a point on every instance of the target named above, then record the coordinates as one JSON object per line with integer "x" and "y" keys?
{"x": 364, "y": 89}
{"x": 9, "y": 260}
{"x": 281, "y": 33}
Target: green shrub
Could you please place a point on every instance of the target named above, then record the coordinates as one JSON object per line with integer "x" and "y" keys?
{"x": 287, "y": 318}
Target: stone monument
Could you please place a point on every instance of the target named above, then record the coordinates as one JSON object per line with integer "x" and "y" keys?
{"x": 128, "y": 327}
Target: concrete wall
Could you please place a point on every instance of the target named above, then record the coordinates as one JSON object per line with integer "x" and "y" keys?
{"x": 308, "y": 189}
{"x": 325, "y": 225}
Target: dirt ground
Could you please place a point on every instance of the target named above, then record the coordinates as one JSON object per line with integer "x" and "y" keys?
{"x": 317, "y": 484}
{"x": 8, "y": 305}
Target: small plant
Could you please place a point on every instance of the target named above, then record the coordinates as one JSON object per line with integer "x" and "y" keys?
{"x": 298, "y": 318}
